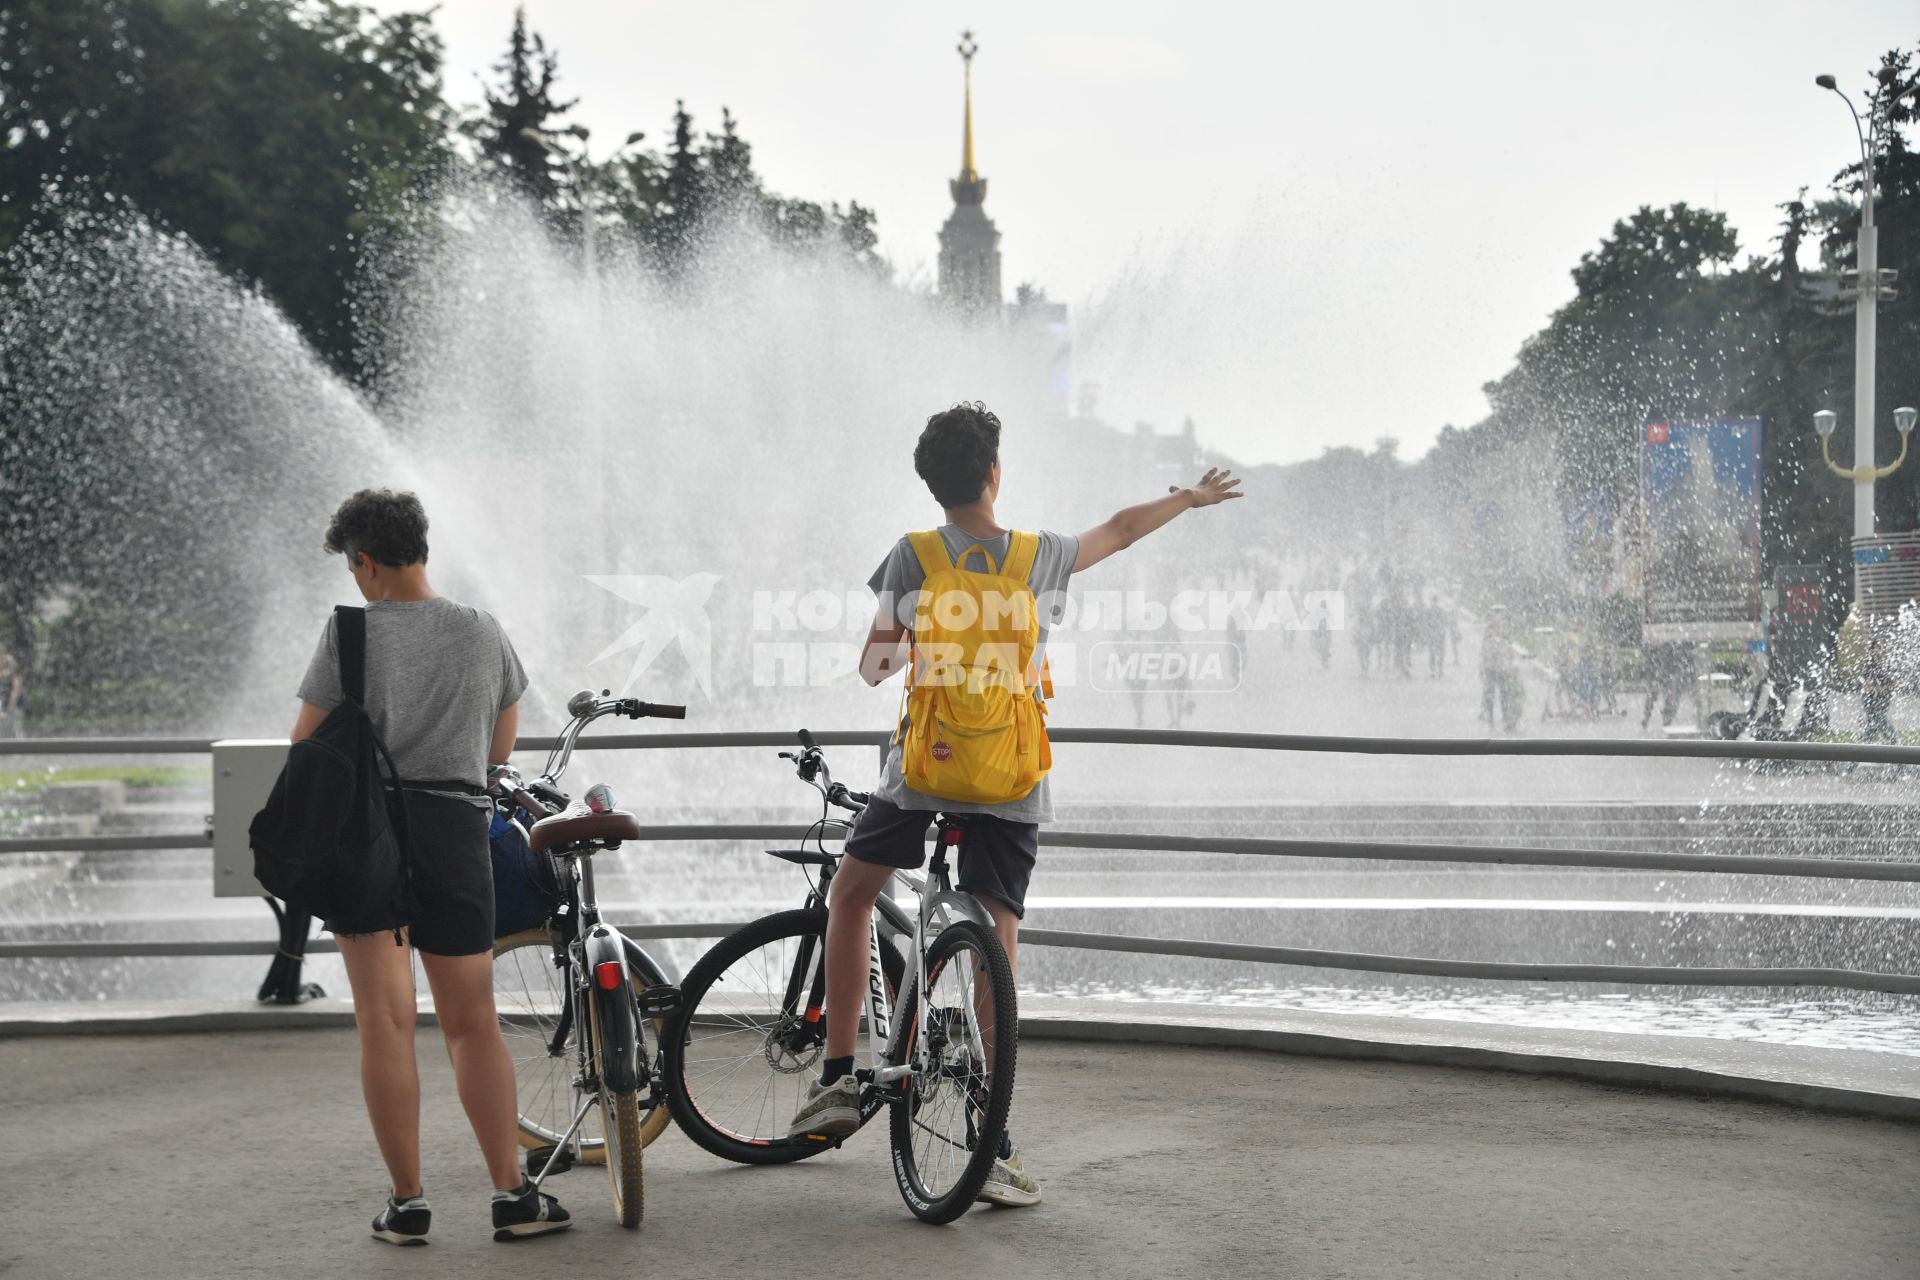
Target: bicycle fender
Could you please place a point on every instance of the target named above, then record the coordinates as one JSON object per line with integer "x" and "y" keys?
{"x": 964, "y": 906}
{"x": 620, "y": 1034}
{"x": 643, "y": 965}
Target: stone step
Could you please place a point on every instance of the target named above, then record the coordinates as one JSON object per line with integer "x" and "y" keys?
{"x": 37, "y": 824}
{"x": 176, "y": 817}
{"x": 82, "y": 797}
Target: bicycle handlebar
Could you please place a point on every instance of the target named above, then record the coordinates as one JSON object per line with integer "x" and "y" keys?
{"x": 811, "y": 765}
{"x": 638, "y": 710}
{"x": 585, "y": 709}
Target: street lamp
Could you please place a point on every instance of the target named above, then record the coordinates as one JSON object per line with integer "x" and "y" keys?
{"x": 1864, "y": 474}
{"x": 1869, "y": 287}
{"x": 571, "y": 164}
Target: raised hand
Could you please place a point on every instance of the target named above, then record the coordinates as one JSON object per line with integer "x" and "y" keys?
{"x": 1217, "y": 485}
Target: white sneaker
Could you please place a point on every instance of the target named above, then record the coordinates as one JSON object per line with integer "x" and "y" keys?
{"x": 830, "y": 1109}
{"x": 1008, "y": 1184}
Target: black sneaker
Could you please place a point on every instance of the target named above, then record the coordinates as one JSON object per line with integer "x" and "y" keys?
{"x": 527, "y": 1212}
{"x": 404, "y": 1221}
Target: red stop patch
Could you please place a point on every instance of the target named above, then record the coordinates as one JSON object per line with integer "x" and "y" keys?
{"x": 942, "y": 752}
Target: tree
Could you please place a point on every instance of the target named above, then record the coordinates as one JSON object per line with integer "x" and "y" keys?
{"x": 273, "y": 133}
{"x": 683, "y": 188}
{"x": 518, "y": 133}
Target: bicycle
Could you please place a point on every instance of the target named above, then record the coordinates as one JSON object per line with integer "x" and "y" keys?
{"x": 575, "y": 996}
{"x": 752, "y": 1030}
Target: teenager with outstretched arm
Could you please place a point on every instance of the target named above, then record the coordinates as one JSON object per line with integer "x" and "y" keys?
{"x": 958, "y": 456}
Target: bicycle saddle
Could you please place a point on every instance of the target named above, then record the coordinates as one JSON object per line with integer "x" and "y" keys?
{"x": 583, "y": 827}
{"x": 804, "y": 857}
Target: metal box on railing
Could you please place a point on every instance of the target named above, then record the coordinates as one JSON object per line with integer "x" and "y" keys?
{"x": 244, "y": 771}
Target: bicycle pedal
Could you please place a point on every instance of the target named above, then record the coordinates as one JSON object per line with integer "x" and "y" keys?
{"x": 660, "y": 1002}
{"x": 537, "y": 1158}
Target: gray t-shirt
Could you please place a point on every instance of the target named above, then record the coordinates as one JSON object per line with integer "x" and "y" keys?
{"x": 895, "y": 582}
{"x": 438, "y": 676}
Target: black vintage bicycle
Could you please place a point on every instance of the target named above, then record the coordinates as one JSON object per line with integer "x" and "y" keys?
{"x": 576, "y": 997}
{"x": 939, "y": 1033}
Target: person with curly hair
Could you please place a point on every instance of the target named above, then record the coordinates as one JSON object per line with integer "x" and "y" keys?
{"x": 442, "y": 687}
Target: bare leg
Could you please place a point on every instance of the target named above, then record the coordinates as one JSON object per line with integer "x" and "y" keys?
{"x": 482, "y": 1067}
{"x": 381, "y": 976}
{"x": 849, "y": 916}
{"x": 1006, "y": 927}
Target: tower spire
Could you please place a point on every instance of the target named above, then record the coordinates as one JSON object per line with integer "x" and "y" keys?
{"x": 969, "y": 187}
{"x": 968, "y": 47}
{"x": 969, "y": 244}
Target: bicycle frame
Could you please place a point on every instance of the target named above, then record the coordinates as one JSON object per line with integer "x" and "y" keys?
{"x": 934, "y": 911}
{"x": 939, "y": 908}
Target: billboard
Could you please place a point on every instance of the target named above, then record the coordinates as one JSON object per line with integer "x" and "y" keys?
{"x": 1700, "y": 529}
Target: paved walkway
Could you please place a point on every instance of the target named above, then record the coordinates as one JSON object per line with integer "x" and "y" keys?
{"x": 246, "y": 1154}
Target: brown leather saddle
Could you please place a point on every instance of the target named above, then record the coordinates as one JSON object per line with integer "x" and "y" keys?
{"x": 582, "y": 831}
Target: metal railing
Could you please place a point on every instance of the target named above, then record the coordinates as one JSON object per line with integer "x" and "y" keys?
{"x": 1633, "y": 975}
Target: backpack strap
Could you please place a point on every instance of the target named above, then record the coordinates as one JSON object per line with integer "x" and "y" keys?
{"x": 350, "y": 636}
{"x": 932, "y": 550}
{"x": 1022, "y": 550}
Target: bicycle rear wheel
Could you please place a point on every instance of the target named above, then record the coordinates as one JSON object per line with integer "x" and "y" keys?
{"x": 530, "y": 996}
{"x": 743, "y": 1051}
{"x": 622, "y": 1143}
{"x": 950, "y": 1112}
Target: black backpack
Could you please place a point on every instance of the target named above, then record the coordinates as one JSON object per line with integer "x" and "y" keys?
{"x": 333, "y": 840}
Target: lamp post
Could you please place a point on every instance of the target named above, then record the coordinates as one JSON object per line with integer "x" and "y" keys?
{"x": 1868, "y": 287}
{"x": 572, "y": 164}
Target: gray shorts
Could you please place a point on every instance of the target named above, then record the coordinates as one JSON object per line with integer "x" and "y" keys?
{"x": 996, "y": 856}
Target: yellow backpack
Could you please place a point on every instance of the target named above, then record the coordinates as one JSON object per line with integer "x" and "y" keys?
{"x": 975, "y": 733}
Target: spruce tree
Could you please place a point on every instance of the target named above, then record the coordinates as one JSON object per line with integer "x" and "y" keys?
{"x": 519, "y": 129}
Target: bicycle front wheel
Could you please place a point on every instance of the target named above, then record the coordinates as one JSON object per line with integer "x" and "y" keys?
{"x": 952, "y": 1108}
{"x": 530, "y": 995}
{"x": 750, "y": 1038}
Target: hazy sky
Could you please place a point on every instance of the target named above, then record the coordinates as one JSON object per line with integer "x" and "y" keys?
{"x": 1303, "y": 224}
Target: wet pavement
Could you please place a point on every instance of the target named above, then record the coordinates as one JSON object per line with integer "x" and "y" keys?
{"x": 246, "y": 1154}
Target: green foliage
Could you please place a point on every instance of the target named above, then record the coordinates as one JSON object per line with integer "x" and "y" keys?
{"x": 517, "y": 134}
{"x": 270, "y": 131}
{"x": 18, "y": 782}
{"x": 670, "y": 206}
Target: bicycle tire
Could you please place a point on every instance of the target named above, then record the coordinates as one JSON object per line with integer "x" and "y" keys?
{"x": 709, "y": 1094}
{"x": 624, "y": 1147}
{"x": 527, "y": 991}
{"x": 936, "y": 1191}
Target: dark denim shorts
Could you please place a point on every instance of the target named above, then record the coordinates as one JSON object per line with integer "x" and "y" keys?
{"x": 996, "y": 856}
